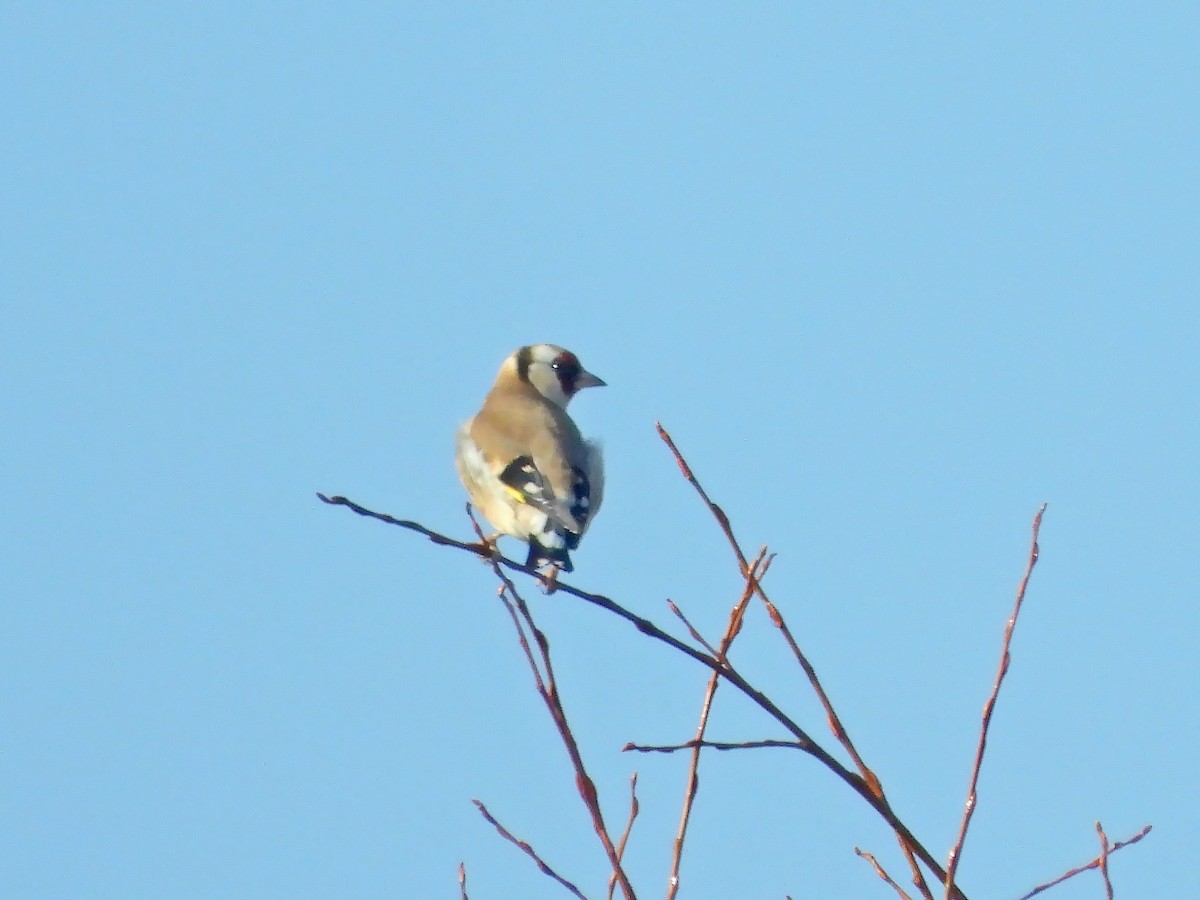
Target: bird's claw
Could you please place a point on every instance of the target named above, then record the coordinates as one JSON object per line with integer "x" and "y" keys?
{"x": 488, "y": 549}
{"x": 550, "y": 579}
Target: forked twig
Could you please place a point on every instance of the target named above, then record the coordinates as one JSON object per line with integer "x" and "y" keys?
{"x": 1094, "y": 864}
{"x": 529, "y": 851}
{"x": 1005, "y": 658}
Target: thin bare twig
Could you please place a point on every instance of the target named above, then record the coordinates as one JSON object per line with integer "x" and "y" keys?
{"x": 633, "y": 811}
{"x": 1094, "y": 864}
{"x": 462, "y": 881}
{"x": 696, "y": 636}
{"x": 530, "y": 852}
{"x": 835, "y": 725}
{"x": 547, "y": 689}
{"x": 1108, "y": 888}
{"x": 1005, "y": 658}
{"x": 756, "y": 571}
{"x": 440, "y": 539}
{"x": 879, "y": 870}
{"x": 711, "y": 745}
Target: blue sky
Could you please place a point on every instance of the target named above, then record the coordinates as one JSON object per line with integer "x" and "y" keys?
{"x": 892, "y": 276}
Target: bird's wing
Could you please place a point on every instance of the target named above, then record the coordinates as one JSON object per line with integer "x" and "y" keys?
{"x": 527, "y": 484}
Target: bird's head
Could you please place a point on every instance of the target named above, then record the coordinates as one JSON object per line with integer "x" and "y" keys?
{"x": 553, "y": 372}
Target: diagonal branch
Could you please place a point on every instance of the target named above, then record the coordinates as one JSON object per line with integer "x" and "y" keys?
{"x": 524, "y": 845}
{"x": 990, "y": 705}
{"x": 645, "y": 626}
{"x": 1094, "y": 864}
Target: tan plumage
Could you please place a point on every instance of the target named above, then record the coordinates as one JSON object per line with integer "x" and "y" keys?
{"x": 523, "y": 461}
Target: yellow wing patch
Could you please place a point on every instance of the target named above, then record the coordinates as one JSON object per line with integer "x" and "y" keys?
{"x": 514, "y": 493}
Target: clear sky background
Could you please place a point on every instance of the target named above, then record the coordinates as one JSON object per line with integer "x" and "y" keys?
{"x": 892, "y": 277}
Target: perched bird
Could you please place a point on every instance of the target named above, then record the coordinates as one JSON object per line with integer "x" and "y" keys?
{"x": 522, "y": 459}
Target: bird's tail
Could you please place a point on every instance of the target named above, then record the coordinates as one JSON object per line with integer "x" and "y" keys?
{"x": 540, "y": 556}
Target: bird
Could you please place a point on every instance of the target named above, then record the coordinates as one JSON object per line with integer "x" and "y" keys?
{"x": 523, "y": 462}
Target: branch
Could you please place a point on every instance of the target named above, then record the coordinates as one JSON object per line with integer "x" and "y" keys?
{"x": 508, "y": 836}
{"x": 643, "y": 625}
{"x": 648, "y": 628}
{"x": 907, "y": 844}
{"x": 462, "y": 881}
{"x": 711, "y": 745}
{"x": 1005, "y": 658}
{"x": 1096, "y": 863}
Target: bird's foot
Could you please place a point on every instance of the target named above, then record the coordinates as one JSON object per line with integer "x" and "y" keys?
{"x": 488, "y": 549}
{"x": 550, "y": 579}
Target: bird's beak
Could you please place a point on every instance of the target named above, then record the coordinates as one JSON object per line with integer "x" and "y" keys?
{"x": 587, "y": 379}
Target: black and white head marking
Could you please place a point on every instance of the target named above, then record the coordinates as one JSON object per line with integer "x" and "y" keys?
{"x": 553, "y": 372}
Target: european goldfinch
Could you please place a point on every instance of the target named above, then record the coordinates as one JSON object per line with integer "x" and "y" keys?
{"x": 523, "y": 461}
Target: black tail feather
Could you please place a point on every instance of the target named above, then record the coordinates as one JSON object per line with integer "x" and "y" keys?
{"x": 540, "y": 556}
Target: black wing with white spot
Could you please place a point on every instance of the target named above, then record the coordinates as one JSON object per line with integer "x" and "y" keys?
{"x": 523, "y": 477}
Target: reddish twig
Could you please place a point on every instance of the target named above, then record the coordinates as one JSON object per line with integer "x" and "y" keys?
{"x": 1005, "y": 658}
{"x": 757, "y": 570}
{"x": 529, "y": 851}
{"x": 835, "y": 725}
{"x": 633, "y": 811}
{"x": 1102, "y": 859}
{"x": 462, "y": 881}
{"x": 879, "y": 870}
{"x": 1108, "y": 888}
{"x": 710, "y": 745}
{"x": 547, "y": 689}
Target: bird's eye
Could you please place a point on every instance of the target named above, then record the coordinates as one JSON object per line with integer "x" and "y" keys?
{"x": 565, "y": 362}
